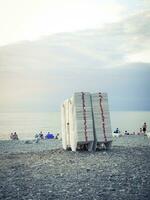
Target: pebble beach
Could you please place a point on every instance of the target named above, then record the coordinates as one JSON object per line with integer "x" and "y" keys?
{"x": 43, "y": 171}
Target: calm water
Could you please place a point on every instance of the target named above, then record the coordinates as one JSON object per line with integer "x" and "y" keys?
{"x": 27, "y": 124}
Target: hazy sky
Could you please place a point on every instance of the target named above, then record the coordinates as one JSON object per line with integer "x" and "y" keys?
{"x": 74, "y": 45}
{"x": 30, "y": 19}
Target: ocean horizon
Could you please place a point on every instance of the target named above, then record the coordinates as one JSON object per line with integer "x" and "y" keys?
{"x": 27, "y": 124}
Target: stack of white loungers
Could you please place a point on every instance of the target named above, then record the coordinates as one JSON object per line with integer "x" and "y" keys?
{"x": 86, "y": 121}
{"x": 101, "y": 118}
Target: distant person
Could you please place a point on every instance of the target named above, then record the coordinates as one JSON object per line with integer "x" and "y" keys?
{"x": 41, "y": 135}
{"x": 144, "y": 128}
{"x": 140, "y": 132}
{"x": 117, "y": 130}
{"x": 126, "y": 133}
{"x": 15, "y": 136}
{"x": 11, "y": 136}
{"x": 57, "y": 136}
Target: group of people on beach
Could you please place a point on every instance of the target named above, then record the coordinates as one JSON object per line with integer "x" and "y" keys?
{"x": 142, "y": 131}
{"x": 41, "y": 136}
{"x": 38, "y": 136}
{"x": 14, "y": 136}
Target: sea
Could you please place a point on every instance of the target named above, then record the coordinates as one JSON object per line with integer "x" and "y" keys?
{"x": 28, "y": 124}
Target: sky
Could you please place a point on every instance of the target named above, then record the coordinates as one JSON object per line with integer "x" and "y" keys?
{"x": 51, "y": 49}
{"x": 30, "y": 19}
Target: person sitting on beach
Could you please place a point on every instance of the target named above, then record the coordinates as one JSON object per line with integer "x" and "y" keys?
{"x": 126, "y": 133}
{"x": 57, "y": 136}
{"x": 11, "y": 136}
{"x": 15, "y": 136}
{"x": 117, "y": 130}
{"x": 144, "y": 127}
{"x": 140, "y": 132}
{"x": 41, "y": 135}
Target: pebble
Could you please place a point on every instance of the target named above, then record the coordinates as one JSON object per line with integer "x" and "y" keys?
{"x": 122, "y": 190}
{"x": 92, "y": 177}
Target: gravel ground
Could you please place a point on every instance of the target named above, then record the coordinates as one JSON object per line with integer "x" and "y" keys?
{"x": 18, "y": 146}
{"x": 42, "y": 172}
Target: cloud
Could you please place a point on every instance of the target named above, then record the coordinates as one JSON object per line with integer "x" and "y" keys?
{"x": 142, "y": 56}
{"x": 106, "y": 47}
{"x": 114, "y": 58}
{"x": 30, "y": 19}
